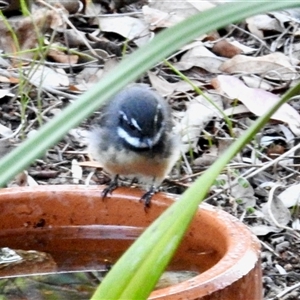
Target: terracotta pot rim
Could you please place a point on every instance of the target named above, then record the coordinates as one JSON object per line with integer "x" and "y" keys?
{"x": 242, "y": 250}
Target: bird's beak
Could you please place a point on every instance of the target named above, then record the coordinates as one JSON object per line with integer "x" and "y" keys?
{"x": 147, "y": 143}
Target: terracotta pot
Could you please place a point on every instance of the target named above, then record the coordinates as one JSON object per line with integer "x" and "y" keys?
{"x": 80, "y": 231}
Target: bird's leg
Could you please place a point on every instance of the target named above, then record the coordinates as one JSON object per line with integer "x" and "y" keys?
{"x": 111, "y": 187}
{"x": 133, "y": 181}
{"x": 146, "y": 198}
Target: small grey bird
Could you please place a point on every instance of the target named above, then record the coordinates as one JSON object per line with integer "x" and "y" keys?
{"x": 133, "y": 138}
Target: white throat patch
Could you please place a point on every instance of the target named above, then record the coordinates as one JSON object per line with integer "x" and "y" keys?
{"x": 136, "y": 142}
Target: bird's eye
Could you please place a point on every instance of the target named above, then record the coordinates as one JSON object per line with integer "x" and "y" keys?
{"x": 129, "y": 123}
{"x": 125, "y": 123}
{"x": 131, "y": 126}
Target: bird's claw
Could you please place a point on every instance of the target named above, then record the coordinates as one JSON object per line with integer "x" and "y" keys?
{"x": 146, "y": 198}
{"x": 111, "y": 187}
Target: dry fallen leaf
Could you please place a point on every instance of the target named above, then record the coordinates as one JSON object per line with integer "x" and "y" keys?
{"x": 4, "y": 93}
{"x": 226, "y": 49}
{"x": 275, "y": 66}
{"x": 131, "y": 28}
{"x": 296, "y": 224}
{"x": 159, "y": 19}
{"x": 243, "y": 193}
{"x": 245, "y": 49}
{"x": 230, "y": 47}
{"x": 90, "y": 76}
{"x": 254, "y": 81}
{"x": 90, "y": 164}
{"x": 197, "y": 116}
{"x": 5, "y": 145}
{"x": 257, "y": 24}
{"x": 258, "y": 101}
{"x": 5, "y": 132}
{"x": 290, "y": 196}
{"x": 71, "y": 6}
{"x": 278, "y": 211}
{"x": 43, "y": 76}
{"x": 207, "y": 158}
{"x": 285, "y": 16}
{"x": 182, "y": 9}
{"x": 166, "y": 88}
{"x": 261, "y": 230}
{"x": 24, "y": 179}
{"x": 28, "y": 31}
{"x": 80, "y": 135}
{"x": 236, "y": 110}
{"x": 61, "y": 57}
{"x": 200, "y": 56}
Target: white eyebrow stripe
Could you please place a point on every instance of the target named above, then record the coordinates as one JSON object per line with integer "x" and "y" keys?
{"x": 124, "y": 116}
{"x": 131, "y": 121}
{"x": 135, "y": 124}
{"x": 158, "y": 109}
{"x": 157, "y": 137}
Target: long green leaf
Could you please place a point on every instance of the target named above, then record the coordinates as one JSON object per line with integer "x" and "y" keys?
{"x": 137, "y": 267}
{"x": 154, "y": 248}
{"x": 136, "y": 273}
{"x": 127, "y": 71}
